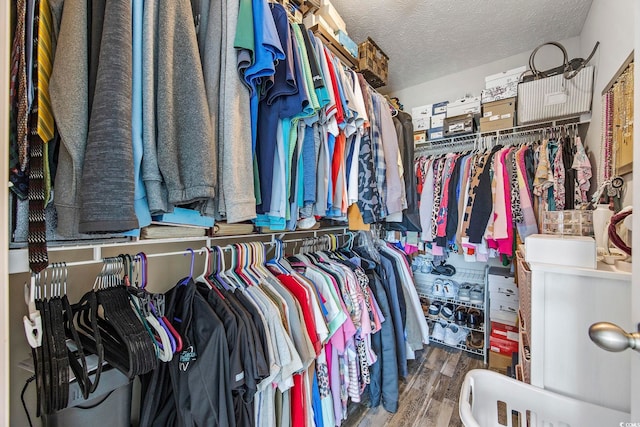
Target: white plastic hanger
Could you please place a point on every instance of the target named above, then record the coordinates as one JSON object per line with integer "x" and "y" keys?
{"x": 32, "y": 323}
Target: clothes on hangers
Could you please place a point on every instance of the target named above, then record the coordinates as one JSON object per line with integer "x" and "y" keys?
{"x": 202, "y": 80}
{"x": 298, "y": 340}
{"x": 475, "y": 203}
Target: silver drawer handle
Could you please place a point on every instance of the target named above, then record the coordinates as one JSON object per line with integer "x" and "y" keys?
{"x": 612, "y": 337}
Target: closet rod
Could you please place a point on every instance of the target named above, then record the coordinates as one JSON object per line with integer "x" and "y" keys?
{"x": 158, "y": 255}
{"x": 19, "y": 258}
{"x": 199, "y": 251}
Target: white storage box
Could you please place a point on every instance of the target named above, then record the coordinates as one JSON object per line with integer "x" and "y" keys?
{"x": 504, "y": 308}
{"x": 503, "y": 290}
{"x": 311, "y": 20}
{"x": 503, "y": 317}
{"x": 498, "y": 93}
{"x": 437, "y": 121}
{"x": 571, "y": 251}
{"x": 502, "y": 284}
{"x": 502, "y": 85}
{"x": 505, "y": 301}
{"x": 435, "y": 133}
{"x": 504, "y": 78}
{"x": 464, "y": 106}
{"x": 489, "y": 399}
{"x": 333, "y": 18}
{"x": 440, "y": 108}
{"x": 421, "y": 117}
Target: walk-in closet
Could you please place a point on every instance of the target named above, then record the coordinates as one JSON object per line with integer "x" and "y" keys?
{"x": 319, "y": 213}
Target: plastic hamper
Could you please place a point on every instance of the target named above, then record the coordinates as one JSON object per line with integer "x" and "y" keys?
{"x": 488, "y": 398}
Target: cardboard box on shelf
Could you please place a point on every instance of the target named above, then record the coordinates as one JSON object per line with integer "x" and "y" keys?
{"x": 437, "y": 120}
{"x": 503, "y": 312}
{"x": 502, "y": 282}
{"x": 419, "y": 137}
{"x": 463, "y": 106}
{"x": 435, "y": 133}
{"x": 502, "y": 345}
{"x": 494, "y": 123}
{"x": 499, "y": 292}
{"x": 344, "y": 40}
{"x": 440, "y": 108}
{"x": 312, "y": 20}
{"x": 421, "y": 117}
{"x": 499, "y": 92}
{"x": 423, "y": 111}
{"x": 504, "y": 78}
{"x": 498, "y": 108}
{"x": 333, "y": 18}
{"x": 502, "y": 330}
{"x": 504, "y": 302}
{"x": 499, "y": 362}
{"x": 459, "y": 125}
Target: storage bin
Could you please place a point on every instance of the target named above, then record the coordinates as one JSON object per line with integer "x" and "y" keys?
{"x": 347, "y": 43}
{"x": 524, "y": 291}
{"x": 373, "y": 63}
{"x": 568, "y": 223}
{"x": 525, "y": 357}
{"x": 488, "y": 399}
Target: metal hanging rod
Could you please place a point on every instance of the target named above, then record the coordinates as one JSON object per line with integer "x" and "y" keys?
{"x": 18, "y": 258}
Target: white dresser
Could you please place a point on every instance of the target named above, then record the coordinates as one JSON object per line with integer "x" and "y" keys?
{"x": 564, "y": 302}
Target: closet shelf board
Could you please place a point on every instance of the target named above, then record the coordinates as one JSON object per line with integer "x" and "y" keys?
{"x": 335, "y": 47}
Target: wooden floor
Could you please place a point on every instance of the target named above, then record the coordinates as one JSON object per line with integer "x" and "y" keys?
{"x": 428, "y": 397}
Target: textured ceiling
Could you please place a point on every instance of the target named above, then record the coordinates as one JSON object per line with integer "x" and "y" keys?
{"x": 427, "y": 39}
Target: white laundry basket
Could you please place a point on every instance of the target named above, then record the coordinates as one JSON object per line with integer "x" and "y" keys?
{"x": 486, "y": 394}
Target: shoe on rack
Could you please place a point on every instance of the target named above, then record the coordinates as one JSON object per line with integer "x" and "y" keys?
{"x": 475, "y": 340}
{"x": 460, "y": 316}
{"x": 454, "y": 334}
{"x": 446, "y": 312}
{"x": 444, "y": 269}
{"x": 476, "y": 295}
{"x": 425, "y": 268}
{"x": 438, "y": 331}
{"x": 464, "y": 292}
{"x": 437, "y": 289}
{"x": 434, "y": 308}
{"x": 425, "y": 303}
{"x": 450, "y": 289}
{"x": 475, "y": 318}
{"x": 419, "y": 262}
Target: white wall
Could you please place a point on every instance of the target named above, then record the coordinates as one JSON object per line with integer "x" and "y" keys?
{"x": 471, "y": 80}
{"x": 611, "y": 23}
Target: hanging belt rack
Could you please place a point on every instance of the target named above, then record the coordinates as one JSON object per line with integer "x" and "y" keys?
{"x": 489, "y": 139}
{"x": 18, "y": 258}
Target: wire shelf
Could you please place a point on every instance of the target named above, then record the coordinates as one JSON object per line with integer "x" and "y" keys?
{"x": 450, "y": 322}
{"x": 488, "y": 139}
{"x": 462, "y": 275}
{"x": 455, "y": 301}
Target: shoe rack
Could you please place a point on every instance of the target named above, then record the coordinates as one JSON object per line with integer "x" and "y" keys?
{"x": 424, "y": 285}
